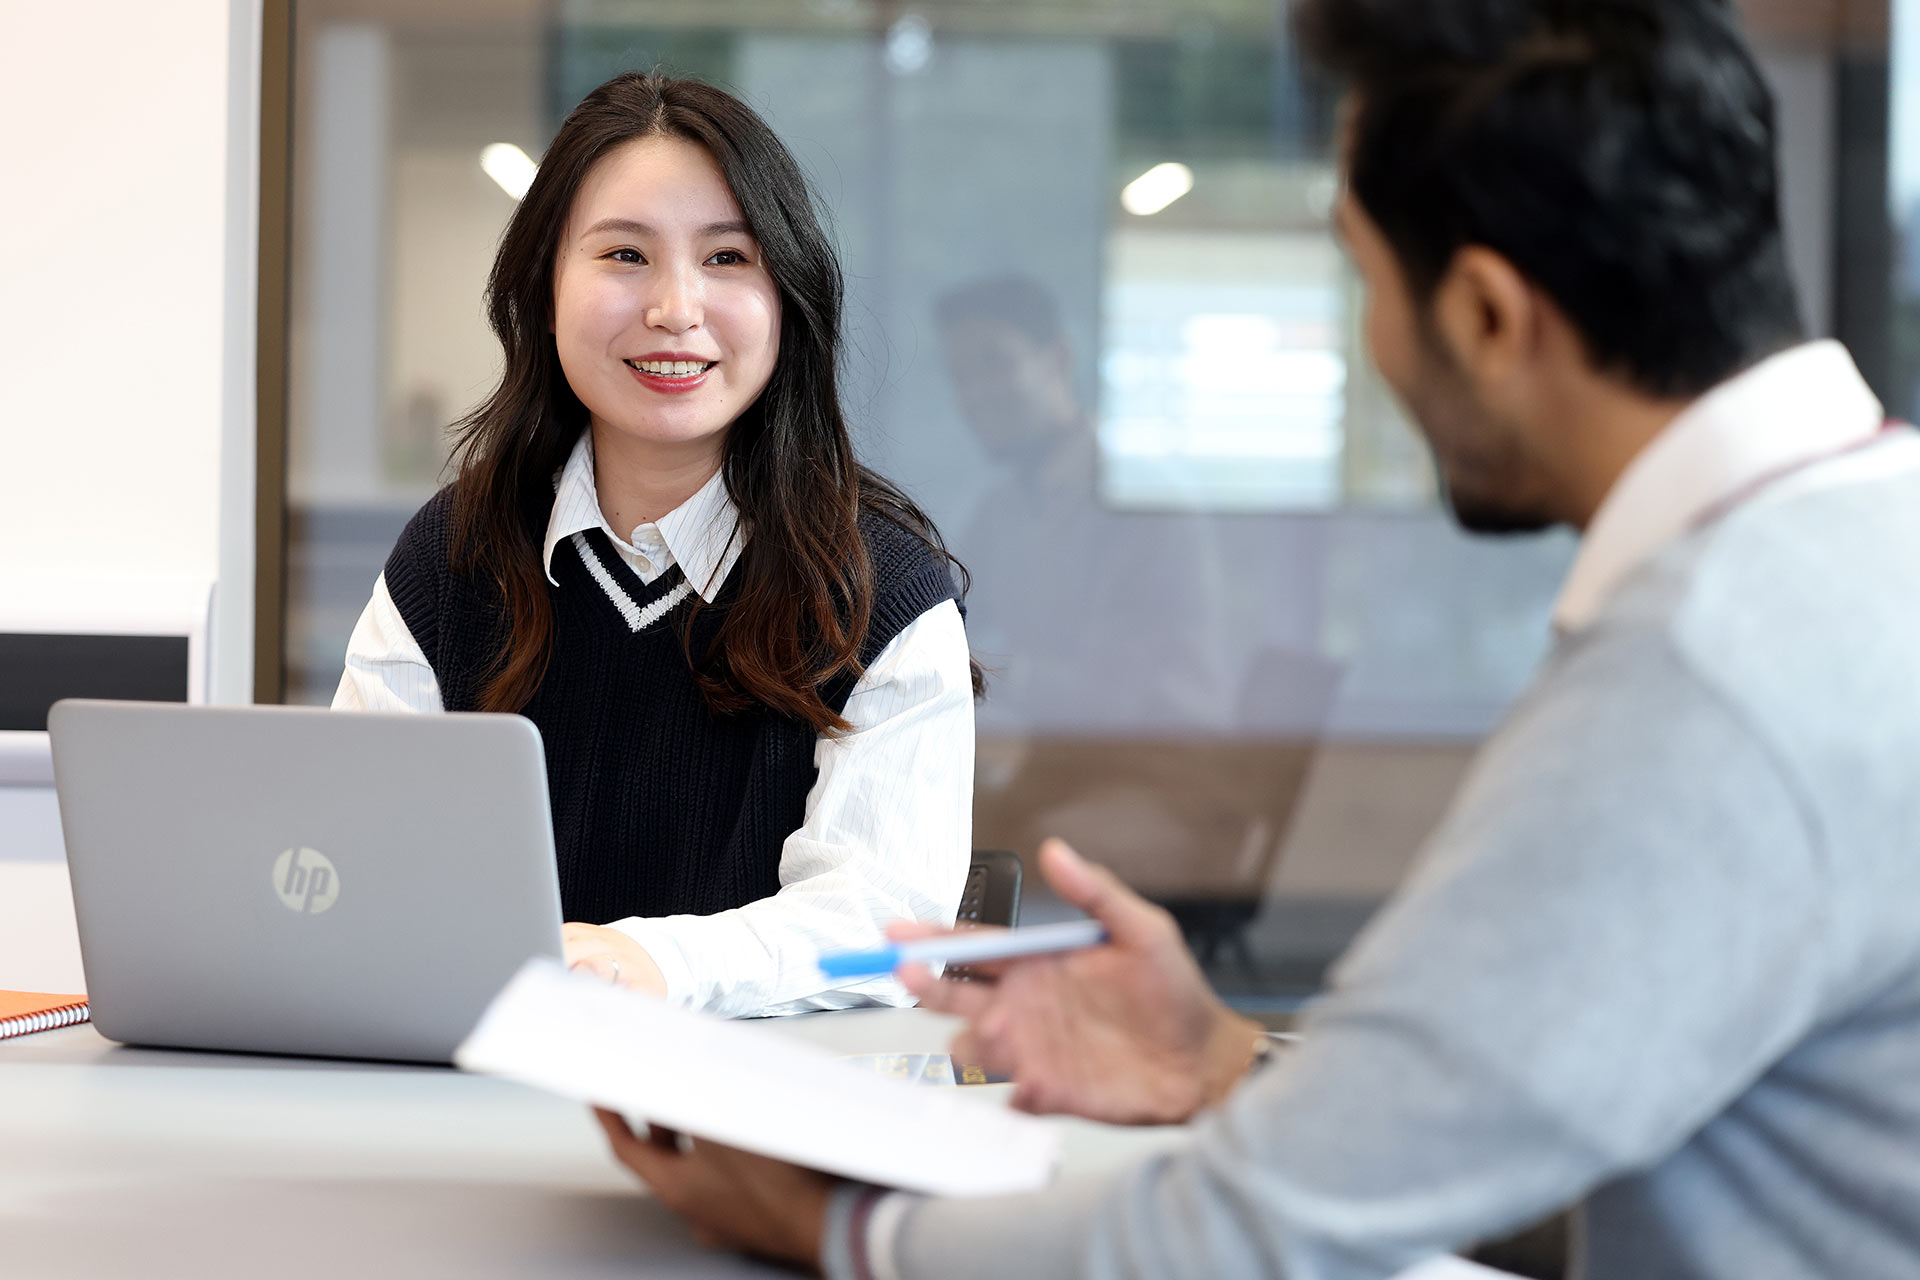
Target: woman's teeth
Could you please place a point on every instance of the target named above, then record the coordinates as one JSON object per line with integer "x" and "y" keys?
{"x": 671, "y": 368}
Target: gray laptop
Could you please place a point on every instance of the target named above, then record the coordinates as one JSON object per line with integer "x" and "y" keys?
{"x": 288, "y": 880}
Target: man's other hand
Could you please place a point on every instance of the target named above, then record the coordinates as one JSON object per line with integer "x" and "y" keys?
{"x": 732, "y": 1199}
{"x": 1128, "y": 1032}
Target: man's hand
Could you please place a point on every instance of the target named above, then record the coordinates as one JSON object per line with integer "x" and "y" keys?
{"x": 1128, "y": 1032}
{"x": 731, "y": 1199}
{"x": 594, "y": 948}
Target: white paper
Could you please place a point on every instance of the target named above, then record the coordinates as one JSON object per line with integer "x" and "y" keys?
{"x": 583, "y": 1038}
{"x": 1453, "y": 1269}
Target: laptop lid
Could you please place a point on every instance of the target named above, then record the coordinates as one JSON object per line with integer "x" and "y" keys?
{"x": 293, "y": 880}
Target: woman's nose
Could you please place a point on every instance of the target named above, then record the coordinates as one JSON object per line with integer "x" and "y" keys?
{"x": 675, "y": 304}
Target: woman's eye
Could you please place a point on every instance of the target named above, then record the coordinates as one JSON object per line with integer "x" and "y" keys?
{"x": 728, "y": 258}
{"x": 629, "y": 256}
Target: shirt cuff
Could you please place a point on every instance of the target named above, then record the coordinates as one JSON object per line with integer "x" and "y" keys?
{"x": 857, "y": 1239}
{"x": 883, "y": 1228}
{"x": 666, "y": 955}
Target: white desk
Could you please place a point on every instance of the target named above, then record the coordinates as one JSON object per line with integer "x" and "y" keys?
{"x": 120, "y": 1162}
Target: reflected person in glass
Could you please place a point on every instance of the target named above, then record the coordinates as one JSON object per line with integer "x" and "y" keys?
{"x": 1098, "y": 624}
{"x": 744, "y": 650}
{"x": 1098, "y": 621}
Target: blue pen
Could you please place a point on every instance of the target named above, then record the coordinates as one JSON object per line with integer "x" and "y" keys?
{"x": 967, "y": 948}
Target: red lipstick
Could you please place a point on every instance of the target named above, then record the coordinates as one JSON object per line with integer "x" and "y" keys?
{"x": 670, "y": 383}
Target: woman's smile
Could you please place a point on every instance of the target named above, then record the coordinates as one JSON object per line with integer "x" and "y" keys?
{"x": 669, "y": 373}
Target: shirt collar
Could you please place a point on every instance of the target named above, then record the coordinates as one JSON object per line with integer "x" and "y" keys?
{"x": 1786, "y": 411}
{"x": 702, "y": 533}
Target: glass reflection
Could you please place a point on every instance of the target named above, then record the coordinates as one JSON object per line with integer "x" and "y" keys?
{"x": 1237, "y": 652}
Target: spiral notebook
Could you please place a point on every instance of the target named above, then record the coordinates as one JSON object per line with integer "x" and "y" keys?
{"x": 25, "y": 1012}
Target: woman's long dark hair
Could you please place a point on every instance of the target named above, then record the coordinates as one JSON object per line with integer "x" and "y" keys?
{"x": 805, "y": 584}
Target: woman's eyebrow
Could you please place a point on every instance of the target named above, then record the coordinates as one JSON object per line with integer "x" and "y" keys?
{"x": 627, "y": 226}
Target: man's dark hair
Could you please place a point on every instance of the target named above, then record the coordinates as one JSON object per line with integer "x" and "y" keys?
{"x": 1620, "y": 153}
{"x": 1014, "y": 299}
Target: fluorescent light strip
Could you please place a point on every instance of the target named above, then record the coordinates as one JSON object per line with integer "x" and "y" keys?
{"x": 509, "y": 166}
{"x": 1157, "y": 188}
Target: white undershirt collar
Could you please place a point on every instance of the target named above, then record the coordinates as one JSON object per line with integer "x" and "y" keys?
{"x": 700, "y": 535}
{"x": 1789, "y": 409}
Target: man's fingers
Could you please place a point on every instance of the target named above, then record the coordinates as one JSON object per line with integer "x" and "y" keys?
{"x": 912, "y": 931}
{"x": 615, "y": 1124}
{"x": 919, "y": 979}
{"x": 740, "y": 1166}
{"x": 1078, "y": 882}
{"x": 968, "y": 1049}
{"x": 963, "y": 999}
{"x": 915, "y": 931}
{"x": 1130, "y": 919}
{"x": 653, "y": 1163}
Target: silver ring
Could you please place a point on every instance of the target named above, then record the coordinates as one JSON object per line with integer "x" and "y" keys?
{"x": 616, "y": 973}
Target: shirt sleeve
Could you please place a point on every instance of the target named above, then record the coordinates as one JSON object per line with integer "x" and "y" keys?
{"x": 1623, "y": 922}
{"x": 888, "y": 835}
{"x": 386, "y": 670}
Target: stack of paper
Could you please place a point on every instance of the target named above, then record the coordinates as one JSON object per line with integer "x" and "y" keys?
{"x": 751, "y": 1088}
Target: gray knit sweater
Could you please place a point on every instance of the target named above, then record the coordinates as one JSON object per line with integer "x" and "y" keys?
{"x": 1662, "y": 960}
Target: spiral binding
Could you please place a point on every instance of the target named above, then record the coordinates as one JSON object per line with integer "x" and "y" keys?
{"x": 65, "y": 1016}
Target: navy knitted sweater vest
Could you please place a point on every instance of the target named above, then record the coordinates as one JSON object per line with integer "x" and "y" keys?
{"x": 660, "y": 806}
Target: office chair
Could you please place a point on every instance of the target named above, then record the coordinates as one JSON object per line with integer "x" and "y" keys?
{"x": 991, "y": 896}
{"x": 992, "y": 892}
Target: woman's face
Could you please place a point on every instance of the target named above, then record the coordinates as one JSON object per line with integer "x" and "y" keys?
{"x": 666, "y": 320}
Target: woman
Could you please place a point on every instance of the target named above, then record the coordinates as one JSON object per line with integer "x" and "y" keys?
{"x": 743, "y": 649}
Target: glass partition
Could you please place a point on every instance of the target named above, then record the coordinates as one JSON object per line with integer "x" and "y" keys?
{"x": 1100, "y": 329}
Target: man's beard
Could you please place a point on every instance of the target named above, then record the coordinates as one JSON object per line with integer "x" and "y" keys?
{"x": 1489, "y": 517}
{"x": 1498, "y": 507}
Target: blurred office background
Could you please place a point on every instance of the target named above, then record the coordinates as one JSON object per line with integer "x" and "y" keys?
{"x": 1101, "y": 330}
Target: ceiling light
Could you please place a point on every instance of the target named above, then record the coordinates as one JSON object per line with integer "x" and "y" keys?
{"x": 509, "y": 166}
{"x": 1157, "y": 188}
{"x": 909, "y": 45}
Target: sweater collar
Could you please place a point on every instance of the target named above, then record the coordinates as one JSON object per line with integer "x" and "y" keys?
{"x": 1786, "y": 411}
{"x": 701, "y": 535}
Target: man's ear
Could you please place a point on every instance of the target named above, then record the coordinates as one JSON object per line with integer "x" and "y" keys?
{"x": 1486, "y": 315}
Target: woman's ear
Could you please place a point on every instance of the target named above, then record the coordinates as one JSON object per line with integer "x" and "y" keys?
{"x": 1487, "y": 317}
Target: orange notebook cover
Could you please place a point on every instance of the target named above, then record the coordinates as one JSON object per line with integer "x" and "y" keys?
{"x": 24, "y": 1012}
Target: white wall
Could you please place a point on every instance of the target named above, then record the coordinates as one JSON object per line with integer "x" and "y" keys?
{"x": 128, "y": 241}
{"x": 127, "y": 249}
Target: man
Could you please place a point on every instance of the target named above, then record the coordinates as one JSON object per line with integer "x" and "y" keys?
{"x": 1662, "y": 958}
{"x": 1077, "y": 648}
{"x": 1056, "y": 607}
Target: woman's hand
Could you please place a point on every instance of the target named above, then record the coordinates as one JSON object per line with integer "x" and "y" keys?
{"x": 1128, "y": 1032}
{"x": 611, "y": 954}
{"x": 731, "y": 1198}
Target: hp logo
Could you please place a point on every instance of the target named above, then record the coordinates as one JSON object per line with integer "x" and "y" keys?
{"x": 305, "y": 881}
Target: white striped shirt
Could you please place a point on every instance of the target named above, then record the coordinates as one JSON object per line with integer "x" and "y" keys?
{"x": 888, "y": 828}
